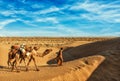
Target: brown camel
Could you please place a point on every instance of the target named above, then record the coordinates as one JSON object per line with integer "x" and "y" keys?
{"x": 30, "y": 52}
{"x": 11, "y": 54}
{"x": 14, "y": 55}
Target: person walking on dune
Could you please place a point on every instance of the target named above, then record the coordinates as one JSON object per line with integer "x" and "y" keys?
{"x": 59, "y": 57}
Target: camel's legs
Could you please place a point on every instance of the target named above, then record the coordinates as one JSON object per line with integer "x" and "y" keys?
{"x": 9, "y": 59}
{"x": 9, "y": 63}
{"x": 32, "y": 58}
{"x": 16, "y": 66}
{"x": 20, "y": 62}
{"x": 25, "y": 63}
{"x": 28, "y": 63}
{"x": 15, "y": 63}
{"x": 35, "y": 64}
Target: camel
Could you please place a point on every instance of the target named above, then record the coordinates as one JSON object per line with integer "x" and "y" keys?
{"x": 18, "y": 56}
{"x": 14, "y": 55}
{"x": 32, "y": 52}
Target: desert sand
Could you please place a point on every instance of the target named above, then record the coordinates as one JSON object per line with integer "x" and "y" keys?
{"x": 85, "y": 59}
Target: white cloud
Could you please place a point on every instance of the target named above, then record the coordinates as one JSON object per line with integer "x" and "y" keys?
{"x": 53, "y": 20}
{"x": 40, "y": 32}
{"x": 58, "y": 31}
{"x": 99, "y": 11}
{"x": 106, "y": 30}
{"x": 14, "y": 12}
{"x": 117, "y": 20}
{"x": 6, "y": 13}
{"x": 23, "y": 1}
{"x": 61, "y": 30}
{"x": 49, "y": 10}
{"x": 92, "y": 7}
{"x": 37, "y": 6}
{"x": 4, "y": 23}
{"x": 52, "y": 9}
{"x": 48, "y": 19}
{"x": 110, "y": 34}
{"x": 27, "y": 22}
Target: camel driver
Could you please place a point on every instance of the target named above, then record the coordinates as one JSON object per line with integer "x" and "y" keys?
{"x": 59, "y": 57}
{"x": 22, "y": 48}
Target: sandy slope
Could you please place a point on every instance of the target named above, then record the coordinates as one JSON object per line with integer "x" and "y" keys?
{"x": 77, "y": 70}
{"x": 109, "y": 70}
{"x": 82, "y": 62}
{"x": 4, "y": 54}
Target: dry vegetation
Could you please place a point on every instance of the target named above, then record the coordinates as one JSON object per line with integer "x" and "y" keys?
{"x": 47, "y": 41}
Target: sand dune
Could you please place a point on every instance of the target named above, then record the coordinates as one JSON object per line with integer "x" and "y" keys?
{"x": 84, "y": 61}
{"x": 109, "y": 70}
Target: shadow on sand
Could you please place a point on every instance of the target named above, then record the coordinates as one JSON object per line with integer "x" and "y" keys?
{"x": 50, "y": 65}
{"x": 52, "y": 61}
{"x": 4, "y": 68}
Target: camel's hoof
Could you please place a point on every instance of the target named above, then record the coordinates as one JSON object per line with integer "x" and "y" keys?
{"x": 27, "y": 70}
{"x": 37, "y": 70}
{"x": 11, "y": 71}
{"x": 18, "y": 71}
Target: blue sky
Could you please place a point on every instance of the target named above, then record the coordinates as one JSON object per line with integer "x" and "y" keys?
{"x": 60, "y": 18}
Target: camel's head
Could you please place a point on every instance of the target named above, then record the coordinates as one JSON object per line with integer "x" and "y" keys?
{"x": 47, "y": 51}
{"x": 29, "y": 49}
{"x": 36, "y": 48}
